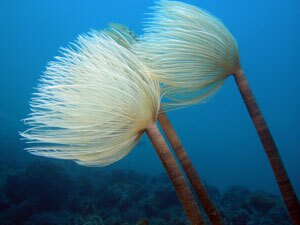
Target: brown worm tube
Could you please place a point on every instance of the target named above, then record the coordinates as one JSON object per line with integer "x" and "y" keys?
{"x": 283, "y": 181}
{"x": 191, "y": 173}
{"x": 181, "y": 187}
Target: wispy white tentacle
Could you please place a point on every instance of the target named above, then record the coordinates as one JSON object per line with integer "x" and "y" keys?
{"x": 190, "y": 51}
{"x": 93, "y": 102}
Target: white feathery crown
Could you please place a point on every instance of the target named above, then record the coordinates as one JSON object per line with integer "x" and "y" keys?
{"x": 190, "y": 51}
{"x": 93, "y": 102}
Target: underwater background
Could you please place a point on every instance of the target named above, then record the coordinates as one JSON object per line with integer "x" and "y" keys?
{"x": 218, "y": 135}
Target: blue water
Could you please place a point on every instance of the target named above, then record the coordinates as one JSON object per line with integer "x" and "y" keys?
{"x": 219, "y": 135}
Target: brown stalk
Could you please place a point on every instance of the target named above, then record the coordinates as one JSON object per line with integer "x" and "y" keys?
{"x": 181, "y": 187}
{"x": 283, "y": 181}
{"x": 191, "y": 173}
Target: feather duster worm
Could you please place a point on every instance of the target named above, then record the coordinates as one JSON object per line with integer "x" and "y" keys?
{"x": 127, "y": 38}
{"x": 192, "y": 53}
{"x": 94, "y": 103}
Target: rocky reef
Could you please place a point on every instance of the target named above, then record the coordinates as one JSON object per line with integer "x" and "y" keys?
{"x": 45, "y": 192}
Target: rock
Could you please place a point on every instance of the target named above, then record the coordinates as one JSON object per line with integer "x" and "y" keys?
{"x": 143, "y": 221}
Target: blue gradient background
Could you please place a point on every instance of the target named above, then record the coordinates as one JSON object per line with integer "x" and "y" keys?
{"x": 218, "y": 135}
